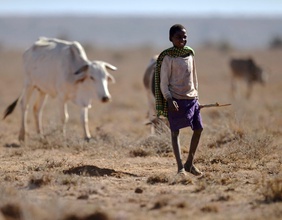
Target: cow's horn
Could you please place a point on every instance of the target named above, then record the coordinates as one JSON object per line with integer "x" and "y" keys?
{"x": 110, "y": 66}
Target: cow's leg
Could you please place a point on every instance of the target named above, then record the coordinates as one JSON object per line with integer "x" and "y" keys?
{"x": 64, "y": 115}
{"x": 24, "y": 108}
{"x": 37, "y": 111}
{"x": 249, "y": 90}
{"x": 152, "y": 112}
{"x": 233, "y": 87}
{"x": 84, "y": 120}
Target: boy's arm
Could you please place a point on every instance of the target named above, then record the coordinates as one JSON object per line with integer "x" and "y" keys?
{"x": 164, "y": 78}
{"x": 195, "y": 77}
{"x": 164, "y": 84}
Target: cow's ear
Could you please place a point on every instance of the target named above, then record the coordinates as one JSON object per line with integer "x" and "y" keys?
{"x": 81, "y": 69}
{"x": 111, "y": 79}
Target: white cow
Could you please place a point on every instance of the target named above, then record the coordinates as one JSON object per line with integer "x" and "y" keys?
{"x": 157, "y": 124}
{"x": 61, "y": 69}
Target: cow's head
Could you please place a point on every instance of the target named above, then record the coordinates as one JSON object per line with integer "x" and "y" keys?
{"x": 95, "y": 75}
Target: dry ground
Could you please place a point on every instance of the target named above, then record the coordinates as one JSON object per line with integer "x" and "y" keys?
{"x": 123, "y": 172}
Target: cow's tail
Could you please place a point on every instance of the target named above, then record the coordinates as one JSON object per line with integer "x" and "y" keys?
{"x": 10, "y": 108}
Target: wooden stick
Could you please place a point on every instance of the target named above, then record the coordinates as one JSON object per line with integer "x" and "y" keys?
{"x": 213, "y": 105}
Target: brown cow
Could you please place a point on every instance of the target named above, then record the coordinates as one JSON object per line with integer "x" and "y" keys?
{"x": 247, "y": 70}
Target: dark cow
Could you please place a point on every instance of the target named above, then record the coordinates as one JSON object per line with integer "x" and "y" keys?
{"x": 247, "y": 70}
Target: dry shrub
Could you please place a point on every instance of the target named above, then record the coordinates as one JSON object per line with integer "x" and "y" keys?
{"x": 97, "y": 216}
{"x": 52, "y": 139}
{"x": 210, "y": 208}
{"x": 253, "y": 146}
{"x": 160, "y": 204}
{"x": 184, "y": 180}
{"x": 102, "y": 136}
{"x": 140, "y": 152}
{"x": 138, "y": 190}
{"x": 158, "y": 178}
{"x": 161, "y": 126}
{"x": 94, "y": 216}
{"x": 182, "y": 204}
{"x": 222, "y": 198}
{"x": 49, "y": 164}
{"x": 225, "y": 138}
{"x": 69, "y": 180}
{"x": 272, "y": 191}
{"x": 37, "y": 182}
{"x": 10, "y": 177}
{"x": 153, "y": 145}
{"x": 201, "y": 186}
{"x": 55, "y": 140}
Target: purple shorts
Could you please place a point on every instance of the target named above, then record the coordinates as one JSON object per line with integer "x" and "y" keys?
{"x": 188, "y": 115}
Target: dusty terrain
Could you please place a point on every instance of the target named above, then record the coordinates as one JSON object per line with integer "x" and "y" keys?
{"x": 124, "y": 172}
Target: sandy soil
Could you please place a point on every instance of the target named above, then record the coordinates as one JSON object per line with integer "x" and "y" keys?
{"x": 124, "y": 172}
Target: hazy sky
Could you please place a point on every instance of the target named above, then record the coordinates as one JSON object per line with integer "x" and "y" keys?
{"x": 144, "y": 7}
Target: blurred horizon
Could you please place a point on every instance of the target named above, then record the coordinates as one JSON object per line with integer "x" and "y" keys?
{"x": 128, "y": 32}
{"x": 240, "y": 24}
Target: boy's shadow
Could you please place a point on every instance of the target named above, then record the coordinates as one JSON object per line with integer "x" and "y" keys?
{"x": 91, "y": 170}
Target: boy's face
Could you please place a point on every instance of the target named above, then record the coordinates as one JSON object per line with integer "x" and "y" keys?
{"x": 179, "y": 39}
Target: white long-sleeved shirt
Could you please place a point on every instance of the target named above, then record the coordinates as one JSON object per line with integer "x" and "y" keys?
{"x": 178, "y": 78}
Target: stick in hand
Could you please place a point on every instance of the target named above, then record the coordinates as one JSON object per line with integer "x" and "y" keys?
{"x": 213, "y": 105}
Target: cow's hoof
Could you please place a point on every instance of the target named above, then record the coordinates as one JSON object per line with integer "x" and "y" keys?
{"x": 21, "y": 138}
{"x": 87, "y": 139}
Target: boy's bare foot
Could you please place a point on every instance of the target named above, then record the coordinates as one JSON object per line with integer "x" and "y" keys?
{"x": 181, "y": 172}
{"x": 194, "y": 170}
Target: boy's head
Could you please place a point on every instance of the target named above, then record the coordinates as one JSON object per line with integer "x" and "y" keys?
{"x": 178, "y": 35}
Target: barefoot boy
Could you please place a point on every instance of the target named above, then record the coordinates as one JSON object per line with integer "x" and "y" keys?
{"x": 176, "y": 92}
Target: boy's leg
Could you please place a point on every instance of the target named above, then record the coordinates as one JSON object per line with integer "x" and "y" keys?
{"x": 193, "y": 147}
{"x": 176, "y": 148}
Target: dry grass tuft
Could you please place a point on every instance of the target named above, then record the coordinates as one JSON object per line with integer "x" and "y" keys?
{"x": 37, "y": 182}
{"x": 160, "y": 204}
{"x": 210, "y": 208}
{"x": 253, "y": 146}
{"x": 138, "y": 190}
{"x": 94, "y": 216}
{"x": 272, "y": 191}
{"x": 225, "y": 138}
{"x": 140, "y": 152}
{"x": 158, "y": 178}
{"x": 69, "y": 180}
{"x": 161, "y": 126}
{"x": 184, "y": 180}
{"x": 103, "y": 135}
{"x": 153, "y": 145}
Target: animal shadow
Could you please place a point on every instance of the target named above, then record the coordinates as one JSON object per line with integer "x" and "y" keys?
{"x": 12, "y": 145}
{"x": 91, "y": 170}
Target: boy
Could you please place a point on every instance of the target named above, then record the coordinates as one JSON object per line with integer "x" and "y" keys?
{"x": 176, "y": 92}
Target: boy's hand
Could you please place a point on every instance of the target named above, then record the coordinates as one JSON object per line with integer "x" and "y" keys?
{"x": 172, "y": 105}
